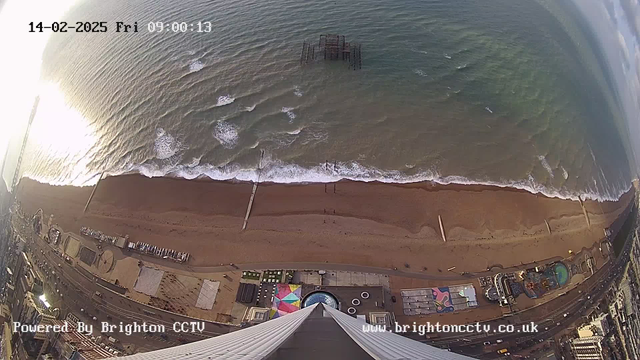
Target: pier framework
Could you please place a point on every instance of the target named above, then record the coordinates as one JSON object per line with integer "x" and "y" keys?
{"x": 332, "y": 47}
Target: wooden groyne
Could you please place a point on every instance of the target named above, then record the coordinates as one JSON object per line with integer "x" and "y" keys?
{"x": 253, "y": 192}
{"x": 253, "y": 195}
{"x": 444, "y": 236}
{"x": 548, "y": 226}
{"x": 92, "y": 193}
{"x": 584, "y": 211}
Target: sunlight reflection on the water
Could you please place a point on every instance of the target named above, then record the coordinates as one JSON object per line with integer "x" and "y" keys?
{"x": 20, "y": 66}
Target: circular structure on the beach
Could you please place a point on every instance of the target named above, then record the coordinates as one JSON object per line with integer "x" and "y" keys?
{"x": 105, "y": 263}
{"x": 351, "y": 311}
{"x": 364, "y": 295}
{"x": 492, "y": 294}
{"x": 562, "y": 273}
{"x": 355, "y": 302}
{"x": 320, "y": 297}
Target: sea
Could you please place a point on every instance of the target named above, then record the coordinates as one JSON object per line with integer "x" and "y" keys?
{"x": 512, "y": 93}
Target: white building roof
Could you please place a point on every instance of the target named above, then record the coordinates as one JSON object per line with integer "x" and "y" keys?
{"x": 261, "y": 341}
{"x": 387, "y": 345}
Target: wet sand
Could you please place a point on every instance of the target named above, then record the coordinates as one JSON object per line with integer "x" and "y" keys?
{"x": 372, "y": 224}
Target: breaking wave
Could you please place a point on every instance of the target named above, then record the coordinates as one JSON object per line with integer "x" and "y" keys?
{"x": 295, "y": 132}
{"x": 545, "y": 164}
{"x": 226, "y": 134}
{"x": 289, "y": 112}
{"x": 195, "y": 161}
{"x": 195, "y": 66}
{"x": 277, "y": 171}
{"x": 420, "y": 72}
{"x": 225, "y": 100}
{"x": 165, "y": 145}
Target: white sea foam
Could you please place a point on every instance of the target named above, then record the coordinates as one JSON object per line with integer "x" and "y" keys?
{"x": 165, "y": 145}
{"x": 297, "y": 92}
{"x": 315, "y": 136}
{"x": 545, "y": 164}
{"x": 280, "y": 172}
{"x": 195, "y": 65}
{"x": 591, "y": 152}
{"x": 194, "y": 162}
{"x": 565, "y": 174}
{"x": 255, "y": 145}
{"x": 295, "y": 132}
{"x": 225, "y": 100}
{"x": 250, "y": 108}
{"x": 281, "y": 141}
{"x": 420, "y": 72}
{"x": 226, "y": 134}
{"x": 604, "y": 177}
{"x": 289, "y": 112}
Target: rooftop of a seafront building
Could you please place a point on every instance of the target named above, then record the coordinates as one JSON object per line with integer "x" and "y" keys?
{"x": 315, "y": 332}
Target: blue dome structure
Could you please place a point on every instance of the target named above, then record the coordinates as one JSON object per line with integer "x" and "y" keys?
{"x": 320, "y": 297}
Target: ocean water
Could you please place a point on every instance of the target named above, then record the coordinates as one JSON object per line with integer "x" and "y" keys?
{"x": 502, "y": 92}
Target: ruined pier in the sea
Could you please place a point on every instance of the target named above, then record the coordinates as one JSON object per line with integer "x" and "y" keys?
{"x": 332, "y": 47}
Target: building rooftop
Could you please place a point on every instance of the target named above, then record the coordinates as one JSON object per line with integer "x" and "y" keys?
{"x": 316, "y": 332}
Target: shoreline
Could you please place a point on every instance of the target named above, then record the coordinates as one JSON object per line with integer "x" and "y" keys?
{"x": 369, "y": 224}
{"x": 251, "y": 176}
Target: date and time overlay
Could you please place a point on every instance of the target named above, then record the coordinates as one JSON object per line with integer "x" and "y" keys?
{"x": 120, "y": 27}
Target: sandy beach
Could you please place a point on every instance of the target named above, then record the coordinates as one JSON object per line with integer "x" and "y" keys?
{"x": 371, "y": 224}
